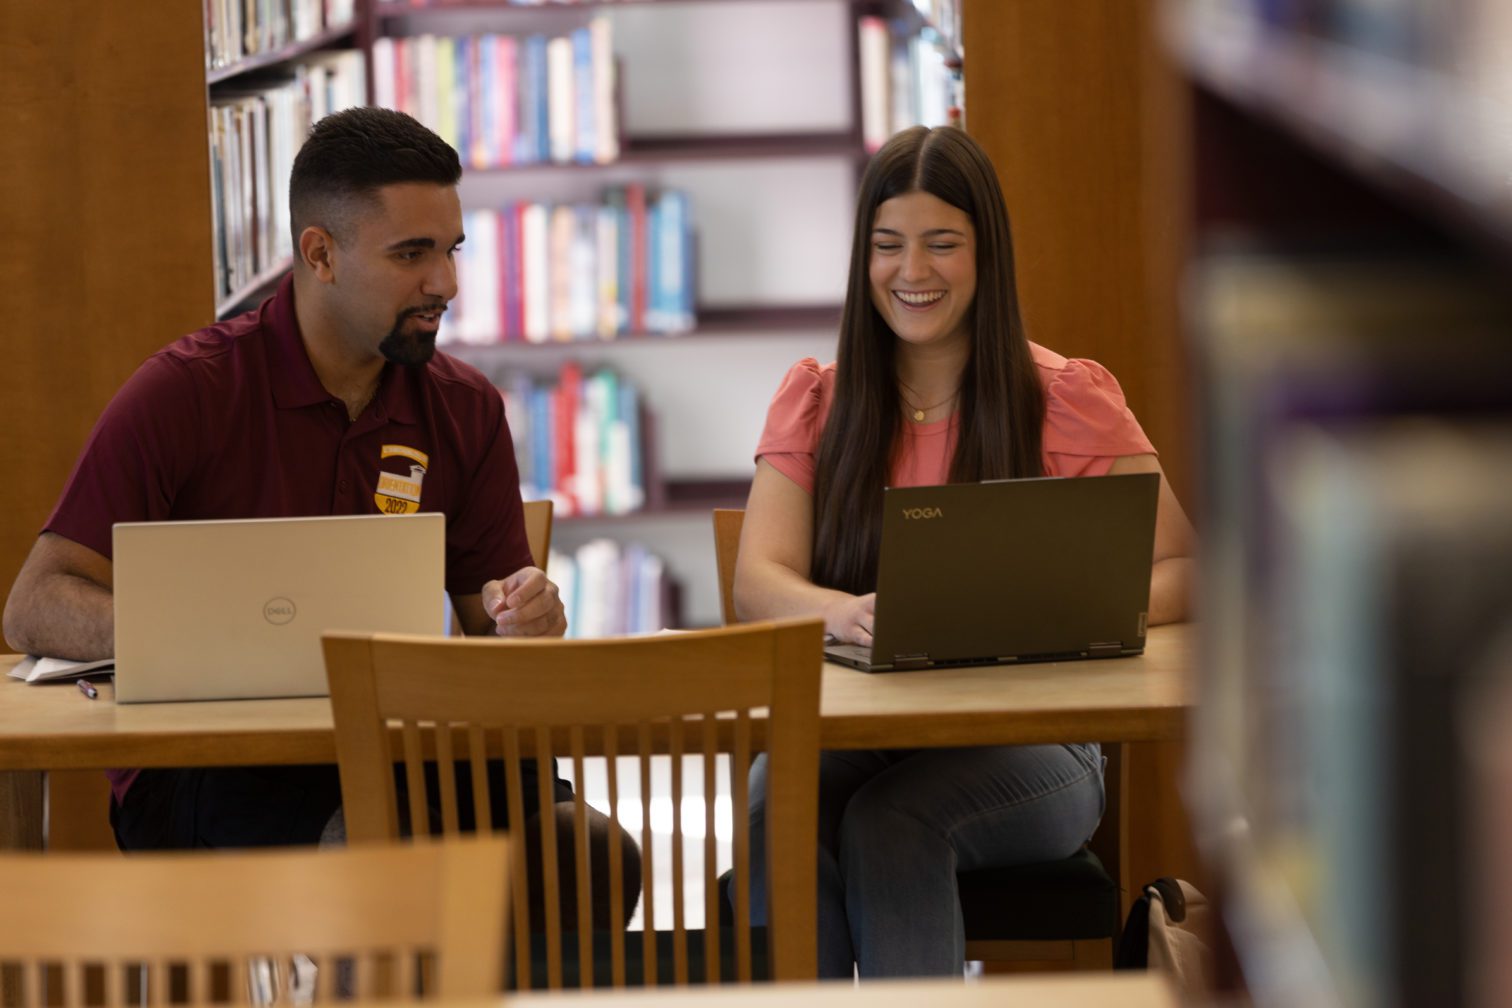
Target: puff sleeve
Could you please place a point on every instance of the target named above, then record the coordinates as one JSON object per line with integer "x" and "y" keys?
{"x": 790, "y": 440}
{"x": 1087, "y": 422}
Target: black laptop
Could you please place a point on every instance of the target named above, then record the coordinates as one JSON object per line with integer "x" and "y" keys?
{"x": 1011, "y": 571}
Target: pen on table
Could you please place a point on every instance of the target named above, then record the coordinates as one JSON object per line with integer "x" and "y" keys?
{"x": 88, "y": 688}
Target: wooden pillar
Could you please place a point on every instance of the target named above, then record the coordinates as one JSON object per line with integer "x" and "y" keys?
{"x": 1087, "y": 122}
{"x": 1084, "y": 118}
{"x": 106, "y": 224}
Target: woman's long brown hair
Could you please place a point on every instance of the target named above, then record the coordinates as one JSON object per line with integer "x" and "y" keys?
{"x": 1001, "y": 408}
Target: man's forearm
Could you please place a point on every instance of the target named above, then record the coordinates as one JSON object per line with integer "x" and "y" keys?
{"x": 61, "y": 616}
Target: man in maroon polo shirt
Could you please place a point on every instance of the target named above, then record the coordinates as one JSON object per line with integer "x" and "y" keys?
{"x": 327, "y": 399}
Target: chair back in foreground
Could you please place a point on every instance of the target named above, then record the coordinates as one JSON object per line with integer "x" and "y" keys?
{"x": 375, "y": 923}
{"x": 489, "y": 706}
{"x": 1061, "y": 914}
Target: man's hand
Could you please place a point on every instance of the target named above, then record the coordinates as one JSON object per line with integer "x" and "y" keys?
{"x": 525, "y": 604}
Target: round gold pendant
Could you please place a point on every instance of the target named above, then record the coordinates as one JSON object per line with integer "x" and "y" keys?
{"x": 918, "y": 416}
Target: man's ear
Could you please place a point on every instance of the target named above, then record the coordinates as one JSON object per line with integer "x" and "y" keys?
{"x": 317, "y": 250}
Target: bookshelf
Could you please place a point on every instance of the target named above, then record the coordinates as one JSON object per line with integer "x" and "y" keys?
{"x": 1349, "y": 313}
{"x": 751, "y": 108}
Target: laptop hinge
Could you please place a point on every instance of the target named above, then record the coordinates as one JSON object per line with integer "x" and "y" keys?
{"x": 911, "y": 661}
{"x": 1105, "y": 649}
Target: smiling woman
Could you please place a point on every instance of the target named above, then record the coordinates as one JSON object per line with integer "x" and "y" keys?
{"x": 935, "y": 382}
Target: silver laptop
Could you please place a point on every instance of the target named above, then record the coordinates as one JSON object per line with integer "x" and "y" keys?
{"x": 212, "y": 610}
{"x": 1011, "y": 571}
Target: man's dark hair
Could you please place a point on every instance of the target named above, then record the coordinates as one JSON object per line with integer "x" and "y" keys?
{"x": 350, "y": 155}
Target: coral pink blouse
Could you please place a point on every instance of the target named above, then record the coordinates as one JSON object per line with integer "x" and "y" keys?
{"x": 1087, "y": 424}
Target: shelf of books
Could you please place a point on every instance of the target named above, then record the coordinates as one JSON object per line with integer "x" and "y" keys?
{"x": 1352, "y": 359}
{"x": 273, "y": 71}
{"x": 908, "y": 56}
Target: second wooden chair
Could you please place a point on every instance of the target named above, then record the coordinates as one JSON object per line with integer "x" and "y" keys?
{"x": 473, "y": 702}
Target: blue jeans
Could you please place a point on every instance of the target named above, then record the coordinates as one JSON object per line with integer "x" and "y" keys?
{"x": 896, "y": 825}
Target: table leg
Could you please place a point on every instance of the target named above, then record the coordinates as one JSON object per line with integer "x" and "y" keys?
{"x": 1161, "y": 840}
{"x": 21, "y": 810}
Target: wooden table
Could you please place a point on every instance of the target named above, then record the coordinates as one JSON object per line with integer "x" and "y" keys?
{"x": 55, "y": 727}
{"x": 1090, "y": 990}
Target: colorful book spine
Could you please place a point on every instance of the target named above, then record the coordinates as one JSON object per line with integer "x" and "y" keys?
{"x": 605, "y": 115}
{"x": 584, "y": 98}
{"x": 533, "y": 144}
{"x": 578, "y": 439}
{"x": 512, "y": 326}
{"x": 535, "y": 282}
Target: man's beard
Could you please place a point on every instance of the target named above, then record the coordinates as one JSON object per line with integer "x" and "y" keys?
{"x": 408, "y": 349}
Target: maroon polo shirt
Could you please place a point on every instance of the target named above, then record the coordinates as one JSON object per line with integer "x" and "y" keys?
{"x": 232, "y": 422}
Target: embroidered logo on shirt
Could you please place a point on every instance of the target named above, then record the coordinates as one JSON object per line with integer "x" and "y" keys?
{"x": 398, "y": 493}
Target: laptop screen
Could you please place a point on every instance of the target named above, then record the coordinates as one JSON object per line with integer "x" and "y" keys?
{"x": 1014, "y": 570}
{"x": 224, "y": 609}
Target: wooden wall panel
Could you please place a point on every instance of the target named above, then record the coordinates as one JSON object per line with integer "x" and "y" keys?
{"x": 104, "y": 227}
{"x": 1084, "y": 118}
{"x": 1087, "y": 122}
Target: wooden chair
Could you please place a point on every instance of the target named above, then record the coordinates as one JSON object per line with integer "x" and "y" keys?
{"x": 202, "y": 927}
{"x": 1058, "y": 914}
{"x": 463, "y": 702}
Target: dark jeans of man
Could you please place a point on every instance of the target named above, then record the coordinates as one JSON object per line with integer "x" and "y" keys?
{"x": 181, "y": 809}
{"x": 227, "y": 807}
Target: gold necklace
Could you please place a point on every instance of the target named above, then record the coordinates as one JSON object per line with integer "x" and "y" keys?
{"x": 917, "y": 412}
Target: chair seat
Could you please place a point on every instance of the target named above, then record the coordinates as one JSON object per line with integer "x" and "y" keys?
{"x": 1071, "y": 899}
{"x": 634, "y": 959}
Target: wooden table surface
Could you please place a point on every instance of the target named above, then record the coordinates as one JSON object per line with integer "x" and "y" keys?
{"x": 1087, "y": 990}
{"x": 55, "y": 727}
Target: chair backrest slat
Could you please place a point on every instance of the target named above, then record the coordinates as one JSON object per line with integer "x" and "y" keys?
{"x": 648, "y": 875}
{"x": 447, "y": 781}
{"x": 515, "y": 799}
{"x": 616, "y": 857}
{"x": 710, "y": 727}
{"x": 414, "y": 778}
{"x": 550, "y": 869}
{"x": 679, "y": 866}
{"x": 477, "y": 766}
{"x": 583, "y": 880}
{"x": 740, "y": 759}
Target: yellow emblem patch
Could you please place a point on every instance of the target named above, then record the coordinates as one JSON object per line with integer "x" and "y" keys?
{"x": 399, "y": 493}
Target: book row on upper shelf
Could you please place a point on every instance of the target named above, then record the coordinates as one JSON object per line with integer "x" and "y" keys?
{"x": 502, "y": 100}
{"x": 254, "y": 134}
{"x": 536, "y": 272}
{"x": 238, "y": 29}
